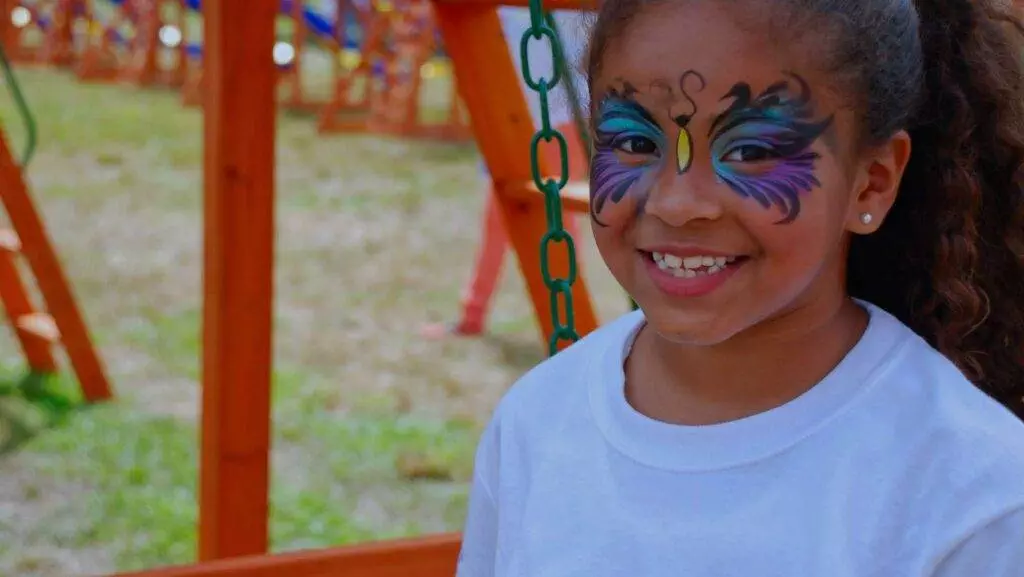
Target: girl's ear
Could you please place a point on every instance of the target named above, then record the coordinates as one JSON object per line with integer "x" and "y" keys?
{"x": 878, "y": 184}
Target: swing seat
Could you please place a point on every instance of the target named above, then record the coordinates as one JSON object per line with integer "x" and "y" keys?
{"x": 575, "y": 195}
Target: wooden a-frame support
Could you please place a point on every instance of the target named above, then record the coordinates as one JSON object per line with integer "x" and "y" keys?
{"x": 61, "y": 323}
{"x": 239, "y": 192}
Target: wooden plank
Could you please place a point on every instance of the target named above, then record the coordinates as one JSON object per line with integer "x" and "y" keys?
{"x": 9, "y": 241}
{"x": 41, "y": 325}
{"x": 575, "y": 195}
{"x": 488, "y": 82}
{"x": 239, "y": 127}
{"x": 433, "y": 556}
{"x": 14, "y": 300}
{"x": 41, "y": 257}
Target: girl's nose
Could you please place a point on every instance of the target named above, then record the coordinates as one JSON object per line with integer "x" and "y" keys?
{"x": 678, "y": 199}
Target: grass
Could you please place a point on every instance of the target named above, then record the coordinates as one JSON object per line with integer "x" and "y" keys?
{"x": 374, "y": 428}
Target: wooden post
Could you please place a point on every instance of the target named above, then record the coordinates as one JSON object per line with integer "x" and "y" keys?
{"x": 9, "y": 36}
{"x": 239, "y": 127}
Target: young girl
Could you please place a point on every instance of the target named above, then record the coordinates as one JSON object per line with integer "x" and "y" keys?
{"x": 817, "y": 205}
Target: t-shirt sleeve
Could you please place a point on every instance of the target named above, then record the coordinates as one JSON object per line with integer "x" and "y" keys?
{"x": 996, "y": 550}
{"x": 480, "y": 533}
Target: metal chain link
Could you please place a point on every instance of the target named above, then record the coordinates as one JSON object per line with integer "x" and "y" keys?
{"x": 23, "y": 109}
{"x": 561, "y": 287}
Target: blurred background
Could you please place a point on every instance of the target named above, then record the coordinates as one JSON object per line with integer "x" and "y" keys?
{"x": 380, "y": 209}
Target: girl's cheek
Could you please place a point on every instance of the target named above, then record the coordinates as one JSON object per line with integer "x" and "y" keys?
{"x": 618, "y": 189}
{"x": 795, "y": 249}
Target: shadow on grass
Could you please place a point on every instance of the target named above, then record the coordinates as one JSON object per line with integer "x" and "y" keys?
{"x": 30, "y": 404}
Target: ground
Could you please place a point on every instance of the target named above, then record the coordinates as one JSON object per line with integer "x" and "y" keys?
{"x": 374, "y": 427}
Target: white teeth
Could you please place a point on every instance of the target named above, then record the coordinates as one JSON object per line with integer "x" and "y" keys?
{"x": 691, "y": 266}
{"x": 693, "y": 262}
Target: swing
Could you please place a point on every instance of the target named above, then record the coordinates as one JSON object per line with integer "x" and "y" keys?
{"x": 542, "y": 25}
{"x": 577, "y": 112}
{"x": 553, "y": 191}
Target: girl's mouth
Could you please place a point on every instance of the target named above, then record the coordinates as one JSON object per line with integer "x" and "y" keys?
{"x": 693, "y": 266}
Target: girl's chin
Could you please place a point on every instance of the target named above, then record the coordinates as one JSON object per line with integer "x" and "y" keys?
{"x": 683, "y": 329}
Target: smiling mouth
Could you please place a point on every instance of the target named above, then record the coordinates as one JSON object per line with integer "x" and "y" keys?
{"x": 694, "y": 266}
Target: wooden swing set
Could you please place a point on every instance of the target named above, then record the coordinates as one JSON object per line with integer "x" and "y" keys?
{"x": 239, "y": 167}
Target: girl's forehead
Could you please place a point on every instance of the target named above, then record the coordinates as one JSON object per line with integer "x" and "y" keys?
{"x": 715, "y": 39}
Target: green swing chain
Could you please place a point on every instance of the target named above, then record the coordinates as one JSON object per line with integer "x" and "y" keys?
{"x": 26, "y": 114}
{"x": 577, "y": 111}
{"x": 561, "y": 287}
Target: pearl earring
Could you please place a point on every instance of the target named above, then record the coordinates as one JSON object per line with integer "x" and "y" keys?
{"x": 865, "y": 217}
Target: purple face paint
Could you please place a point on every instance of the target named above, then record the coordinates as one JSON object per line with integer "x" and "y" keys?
{"x": 760, "y": 146}
{"x": 628, "y": 152}
{"x": 631, "y": 147}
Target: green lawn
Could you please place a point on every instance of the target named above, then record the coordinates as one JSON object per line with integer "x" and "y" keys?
{"x": 374, "y": 428}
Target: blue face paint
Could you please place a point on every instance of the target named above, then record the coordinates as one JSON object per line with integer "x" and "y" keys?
{"x": 629, "y": 149}
{"x": 761, "y": 146}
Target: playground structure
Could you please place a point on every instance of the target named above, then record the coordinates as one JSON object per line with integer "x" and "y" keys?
{"x": 375, "y": 49}
{"x": 239, "y": 124}
{"x": 403, "y": 45}
{"x": 378, "y": 52}
{"x": 38, "y": 331}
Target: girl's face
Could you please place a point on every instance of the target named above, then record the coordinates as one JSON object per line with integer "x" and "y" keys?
{"x": 722, "y": 184}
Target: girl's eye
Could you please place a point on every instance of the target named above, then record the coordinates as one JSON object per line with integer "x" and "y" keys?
{"x": 750, "y": 153}
{"x": 637, "y": 145}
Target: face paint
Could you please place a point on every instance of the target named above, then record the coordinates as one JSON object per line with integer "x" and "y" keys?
{"x": 628, "y": 149}
{"x": 684, "y": 143}
{"x": 623, "y": 125}
{"x": 761, "y": 145}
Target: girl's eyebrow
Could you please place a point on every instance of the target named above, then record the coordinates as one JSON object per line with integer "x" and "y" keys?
{"x": 630, "y": 103}
{"x": 777, "y": 98}
{"x": 741, "y": 95}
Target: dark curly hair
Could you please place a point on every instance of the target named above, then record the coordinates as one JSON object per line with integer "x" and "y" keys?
{"x": 948, "y": 259}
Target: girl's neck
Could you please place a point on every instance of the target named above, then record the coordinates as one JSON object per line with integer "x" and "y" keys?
{"x": 750, "y": 373}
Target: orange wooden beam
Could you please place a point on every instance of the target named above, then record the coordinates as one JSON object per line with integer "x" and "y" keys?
{"x": 501, "y": 122}
{"x": 42, "y": 258}
{"x": 239, "y": 127}
{"x": 433, "y": 556}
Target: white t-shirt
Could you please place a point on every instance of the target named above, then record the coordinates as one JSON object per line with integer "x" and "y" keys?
{"x": 894, "y": 465}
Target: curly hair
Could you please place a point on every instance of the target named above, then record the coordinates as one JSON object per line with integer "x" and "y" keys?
{"x": 949, "y": 259}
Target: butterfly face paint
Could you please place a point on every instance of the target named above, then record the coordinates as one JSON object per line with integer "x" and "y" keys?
{"x": 682, "y": 114}
{"x": 631, "y": 147}
{"x": 628, "y": 150}
{"x": 760, "y": 146}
